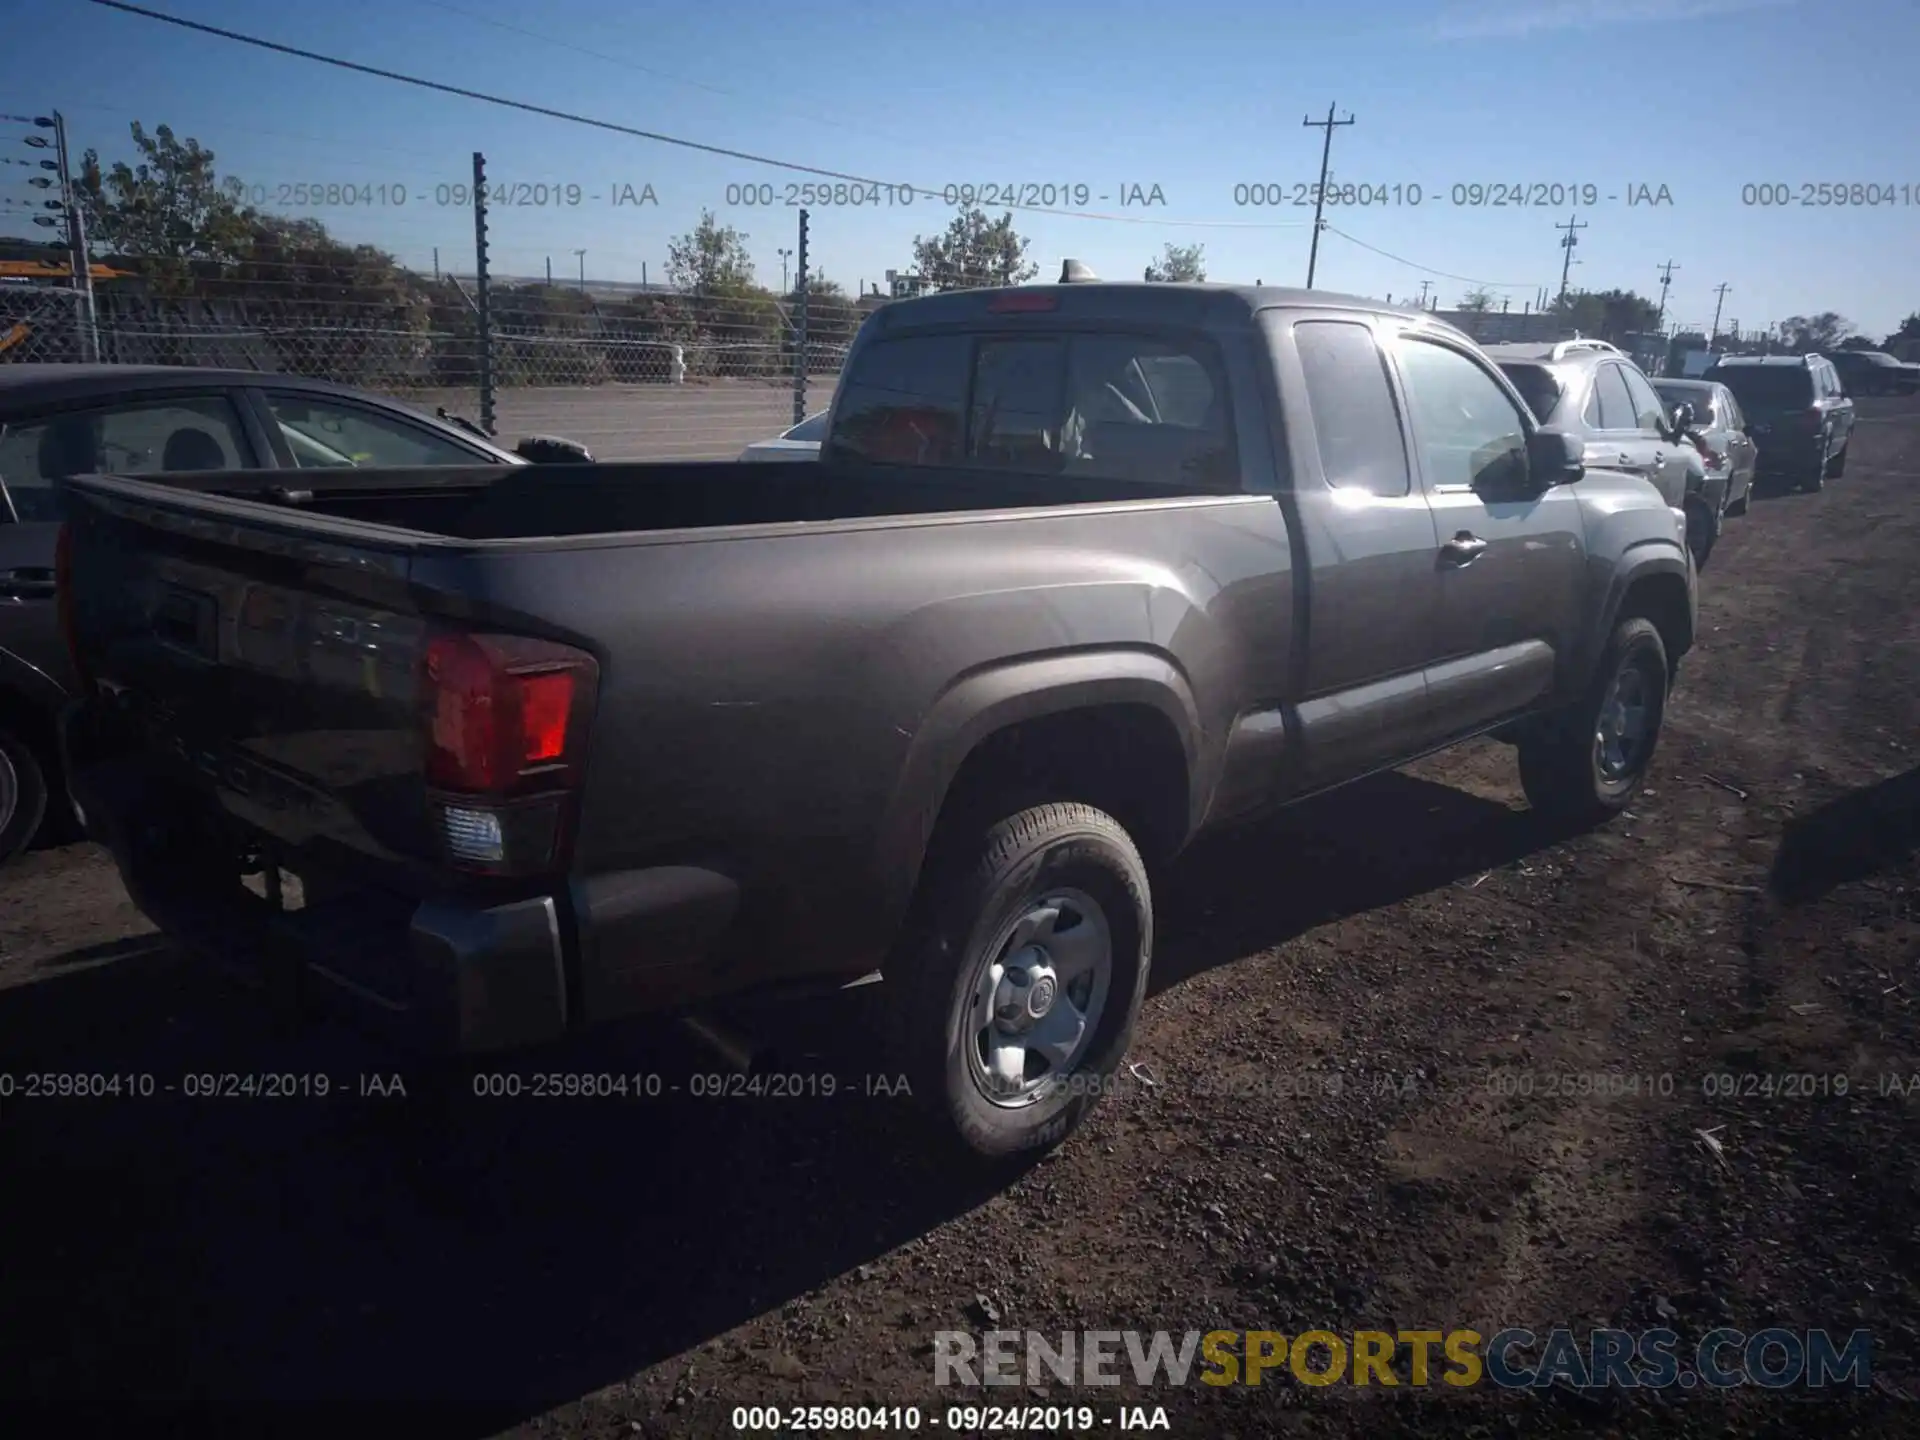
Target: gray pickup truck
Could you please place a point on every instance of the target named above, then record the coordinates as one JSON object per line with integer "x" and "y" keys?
{"x": 1083, "y": 570}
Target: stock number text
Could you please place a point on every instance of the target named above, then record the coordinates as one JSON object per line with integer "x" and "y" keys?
{"x": 1825, "y": 195}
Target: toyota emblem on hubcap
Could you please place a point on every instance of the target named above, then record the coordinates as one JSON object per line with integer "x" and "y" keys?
{"x": 1040, "y": 998}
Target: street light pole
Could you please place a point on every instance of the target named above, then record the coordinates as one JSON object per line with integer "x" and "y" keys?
{"x": 583, "y": 270}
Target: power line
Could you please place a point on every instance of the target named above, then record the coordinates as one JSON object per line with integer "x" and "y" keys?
{"x": 530, "y": 108}
{"x": 1428, "y": 269}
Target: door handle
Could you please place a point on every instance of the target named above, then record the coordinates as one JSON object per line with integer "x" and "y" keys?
{"x": 1626, "y": 461}
{"x": 29, "y": 582}
{"x": 1463, "y": 549}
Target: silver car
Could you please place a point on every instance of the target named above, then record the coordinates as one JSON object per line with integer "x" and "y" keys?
{"x": 802, "y": 442}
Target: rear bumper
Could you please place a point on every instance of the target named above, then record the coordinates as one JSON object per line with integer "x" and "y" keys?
{"x": 436, "y": 977}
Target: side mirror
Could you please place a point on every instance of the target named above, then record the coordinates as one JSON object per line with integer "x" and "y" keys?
{"x": 553, "y": 450}
{"x": 1682, "y": 418}
{"x": 1555, "y": 457}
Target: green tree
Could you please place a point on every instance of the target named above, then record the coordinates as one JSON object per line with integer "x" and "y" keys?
{"x": 1608, "y": 314}
{"x": 832, "y": 317}
{"x": 974, "y": 252}
{"x": 1178, "y": 263}
{"x": 1478, "y": 301}
{"x": 168, "y": 210}
{"x": 1909, "y": 331}
{"x": 710, "y": 259}
{"x": 1802, "y": 333}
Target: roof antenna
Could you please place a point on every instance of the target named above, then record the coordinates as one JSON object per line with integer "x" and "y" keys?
{"x": 1074, "y": 273}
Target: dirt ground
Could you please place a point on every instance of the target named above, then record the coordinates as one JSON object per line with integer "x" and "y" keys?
{"x": 1409, "y": 1063}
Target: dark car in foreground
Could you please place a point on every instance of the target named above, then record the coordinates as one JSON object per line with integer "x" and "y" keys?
{"x": 1717, "y": 428}
{"x": 1798, "y": 414}
{"x": 1874, "y": 372}
{"x": 1083, "y": 571}
{"x": 1593, "y": 390}
{"x": 62, "y": 420}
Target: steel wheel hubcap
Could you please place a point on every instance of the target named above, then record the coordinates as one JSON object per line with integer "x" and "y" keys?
{"x": 1038, "y": 997}
{"x": 1626, "y": 718}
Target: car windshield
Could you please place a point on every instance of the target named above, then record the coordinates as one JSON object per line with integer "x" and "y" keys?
{"x": 813, "y": 428}
{"x": 1537, "y": 386}
{"x": 1767, "y": 387}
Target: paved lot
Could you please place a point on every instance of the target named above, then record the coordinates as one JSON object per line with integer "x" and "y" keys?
{"x": 1367, "y": 1043}
{"x": 713, "y": 420}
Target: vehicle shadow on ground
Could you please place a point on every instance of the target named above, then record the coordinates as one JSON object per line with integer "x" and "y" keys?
{"x": 1370, "y": 845}
{"x": 292, "y": 1265}
{"x": 1860, "y": 834}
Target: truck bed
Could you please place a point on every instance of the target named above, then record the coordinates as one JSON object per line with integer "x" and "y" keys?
{"x": 490, "y": 502}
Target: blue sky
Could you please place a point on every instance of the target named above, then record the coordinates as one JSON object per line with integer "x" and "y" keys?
{"x": 1702, "y": 97}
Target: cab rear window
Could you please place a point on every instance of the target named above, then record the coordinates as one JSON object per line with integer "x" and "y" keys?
{"x": 1110, "y": 405}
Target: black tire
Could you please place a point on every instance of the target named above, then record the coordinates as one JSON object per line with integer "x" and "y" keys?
{"x": 23, "y": 795}
{"x": 1561, "y": 766}
{"x": 1815, "y": 480}
{"x": 1744, "y": 503}
{"x": 974, "y": 892}
{"x": 1837, "y": 466}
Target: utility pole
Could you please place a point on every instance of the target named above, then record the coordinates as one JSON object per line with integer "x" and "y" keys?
{"x": 786, "y": 254}
{"x": 436, "y": 264}
{"x": 1567, "y": 242}
{"x": 81, "y": 265}
{"x": 1666, "y": 279}
{"x": 583, "y": 270}
{"x": 1720, "y": 291}
{"x": 1425, "y": 286}
{"x": 1320, "y": 194}
{"x": 549, "y": 272}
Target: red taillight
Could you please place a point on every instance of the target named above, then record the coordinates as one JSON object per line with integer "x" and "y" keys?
{"x": 503, "y": 712}
{"x": 1813, "y": 418}
{"x": 505, "y": 721}
{"x": 1018, "y": 302}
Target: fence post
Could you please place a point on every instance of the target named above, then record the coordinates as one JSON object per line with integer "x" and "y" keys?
{"x": 482, "y": 288}
{"x": 800, "y": 345}
{"x": 85, "y": 324}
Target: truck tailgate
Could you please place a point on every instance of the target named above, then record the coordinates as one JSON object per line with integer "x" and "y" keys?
{"x": 274, "y": 665}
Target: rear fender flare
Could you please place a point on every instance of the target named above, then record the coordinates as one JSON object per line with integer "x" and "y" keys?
{"x": 986, "y": 701}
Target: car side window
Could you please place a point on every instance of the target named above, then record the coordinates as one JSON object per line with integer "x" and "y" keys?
{"x": 328, "y": 434}
{"x": 1469, "y": 433}
{"x": 1612, "y": 405}
{"x": 1730, "y": 412}
{"x": 138, "y": 437}
{"x": 1648, "y": 411}
{"x": 902, "y": 403}
{"x": 1356, "y": 425}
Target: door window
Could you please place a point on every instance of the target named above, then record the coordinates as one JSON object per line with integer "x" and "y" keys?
{"x": 1469, "y": 433}
{"x": 1355, "y": 423}
{"x": 902, "y": 403}
{"x": 1015, "y": 420}
{"x": 1648, "y": 412}
{"x": 1610, "y": 407}
{"x": 327, "y": 434}
{"x": 139, "y": 437}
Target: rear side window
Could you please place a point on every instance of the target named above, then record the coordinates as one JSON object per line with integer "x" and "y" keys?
{"x": 1648, "y": 411}
{"x": 1148, "y": 409}
{"x": 902, "y": 404}
{"x": 1355, "y": 423}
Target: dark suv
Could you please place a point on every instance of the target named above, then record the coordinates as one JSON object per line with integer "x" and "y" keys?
{"x": 1874, "y": 372}
{"x": 1593, "y": 390}
{"x": 1797, "y": 412}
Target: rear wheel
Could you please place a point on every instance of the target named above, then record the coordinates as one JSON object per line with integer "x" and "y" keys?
{"x": 1703, "y": 528}
{"x": 1815, "y": 477}
{"x": 1586, "y": 764}
{"x": 1837, "y": 466}
{"x": 1024, "y": 977}
{"x": 23, "y": 795}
